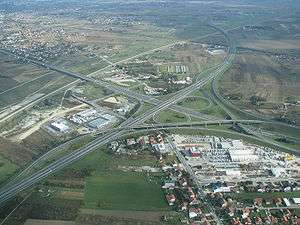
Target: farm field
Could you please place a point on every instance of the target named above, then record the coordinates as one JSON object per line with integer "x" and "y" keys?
{"x": 48, "y": 222}
{"x": 272, "y": 44}
{"x": 102, "y": 160}
{"x": 15, "y": 153}
{"x": 257, "y": 76}
{"x": 23, "y": 82}
{"x": 7, "y": 169}
{"x": 70, "y": 195}
{"x": 96, "y": 188}
{"x": 139, "y": 215}
{"x": 15, "y": 72}
{"x": 123, "y": 191}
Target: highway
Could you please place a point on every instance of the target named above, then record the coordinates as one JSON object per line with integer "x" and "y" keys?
{"x": 32, "y": 103}
{"x": 106, "y": 138}
{"x": 163, "y": 126}
{"x": 96, "y": 73}
{"x": 135, "y": 128}
{"x": 33, "y": 179}
{"x": 74, "y": 156}
{"x": 229, "y": 108}
{"x": 135, "y": 124}
{"x": 107, "y": 85}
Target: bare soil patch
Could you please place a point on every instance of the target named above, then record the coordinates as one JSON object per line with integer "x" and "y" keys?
{"x": 122, "y": 214}
{"x": 73, "y": 195}
{"x": 16, "y": 153}
{"x": 48, "y": 222}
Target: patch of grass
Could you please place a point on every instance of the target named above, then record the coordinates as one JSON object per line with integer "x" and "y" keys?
{"x": 196, "y": 103}
{"x": 103, "y": 160}
{"x": 199, "y": 93}
{"x": 215, "y": 110}
{"x": 19, "y": 93}
{"x": 88, "y": 67}
{"x": 145, "y": 107}
{"x": 170, "y": 159}
{"x": 194, "y": 119}
{"x": 93, "y": 91}
{"x": 69, "y": 194}
{"x": 297, "y": 212}
{"x": 280, "y": 129}
{"x": 7, "y": 169}
{"x": 171, "y": 117}
{"x": 123, "y": 191}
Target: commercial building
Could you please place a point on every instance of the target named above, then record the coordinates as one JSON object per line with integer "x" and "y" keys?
{"x": 161, "y": 148}
{"x": 286, "y": 202}
{"x": 296, "y": 201}
{"x": 60, "y": 125}
{"x": 101, "y": 121}
{"x": 278, "y": 171}
{"x": 233, "y": 173}
{"x": 195, "y": 152}
{"x": 242, "y": 155}
{"x": 237, "y": 144}
{"x": 222, "y": 190}
{"x": 224, "y": 145}
{"x": 84, "y": 116}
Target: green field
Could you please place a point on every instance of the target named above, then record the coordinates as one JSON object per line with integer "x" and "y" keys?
{"x": 144, "y": 108}
{"x": 102, "y": 160}
{"x": 123, "y": 191}
{"x": 215, "y": 110}
{"x": 171, "y": 117}
{"x": 197, "y": 103}
{"x": 7, "y": 169}
{"x": 92, "y": 91}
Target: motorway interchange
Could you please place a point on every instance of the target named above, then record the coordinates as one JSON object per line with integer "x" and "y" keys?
{"x": 137, "y": 124}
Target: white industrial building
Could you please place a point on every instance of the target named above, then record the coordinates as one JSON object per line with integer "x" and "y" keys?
{"x": 60, "y": 125}
{"x": 84, "y": 116}
{"x": 233, "y": 173}
{"x": 286, "y": 202}
{"x": 224, "y": 145}
{"x": 237, "y": 144}
{"x": 278, "y": 171}
{"x": 242, "y": 155}
{"x": 161, "y": 148}
{"x": 101, "y": 121}
{"x": 222, "y": 189}
{"x": 296, "y": 201}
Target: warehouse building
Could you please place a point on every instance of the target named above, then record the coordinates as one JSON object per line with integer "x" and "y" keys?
{"x": 242, "y": 155}
{"x": 102, "y": 121}
{"x": 60, "y": 125}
